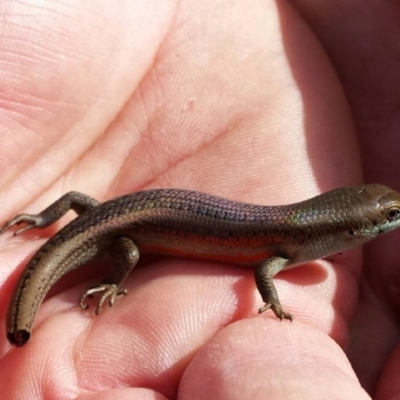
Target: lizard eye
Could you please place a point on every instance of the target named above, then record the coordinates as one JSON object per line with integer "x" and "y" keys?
{"x": 393, "y": 214}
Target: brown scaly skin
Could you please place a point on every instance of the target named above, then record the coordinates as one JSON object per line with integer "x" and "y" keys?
{"x": 191, "y": 224}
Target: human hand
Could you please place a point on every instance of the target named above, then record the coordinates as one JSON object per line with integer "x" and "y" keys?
{"x": 233, "y": 99}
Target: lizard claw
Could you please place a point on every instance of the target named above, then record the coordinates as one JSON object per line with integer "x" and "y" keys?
{"x": 278, "y": 311}
{"x": 109, "y": 291}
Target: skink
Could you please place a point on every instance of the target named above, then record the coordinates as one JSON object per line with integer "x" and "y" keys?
{"x": 191, "y": 224}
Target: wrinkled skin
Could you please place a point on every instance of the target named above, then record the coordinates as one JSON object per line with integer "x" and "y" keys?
{"x": 257, "y": 101}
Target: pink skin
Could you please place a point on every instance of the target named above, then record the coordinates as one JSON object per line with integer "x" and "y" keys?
{"x": 254, "y": 101}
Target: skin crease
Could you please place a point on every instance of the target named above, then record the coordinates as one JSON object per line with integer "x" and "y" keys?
{"x": 229, "y": 98}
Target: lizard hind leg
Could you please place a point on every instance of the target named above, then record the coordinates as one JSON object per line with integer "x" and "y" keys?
{"x": 125, "y": 255}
